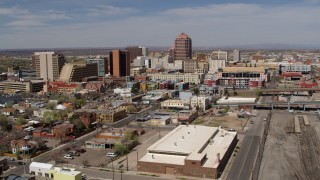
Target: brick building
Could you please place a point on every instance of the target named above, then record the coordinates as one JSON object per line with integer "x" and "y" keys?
{"x": 197, "y": 151}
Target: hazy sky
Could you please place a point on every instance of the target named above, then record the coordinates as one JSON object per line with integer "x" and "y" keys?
{"x": 109, "y": 23}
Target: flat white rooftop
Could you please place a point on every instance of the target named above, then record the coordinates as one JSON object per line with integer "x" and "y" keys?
{"x": 41, "y": 165}
{"x": 191, "y": 142}
{"x": 39, "y": 53}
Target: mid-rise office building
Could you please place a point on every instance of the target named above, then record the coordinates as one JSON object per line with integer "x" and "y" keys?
{"x": 236, "y": 56}
{"x": 289, "y": 67}
{"x": 216, "y": 64}
{"x": 135, "y": 51}
{"x": 119, "y": 63}
{"x": 219, "y": 55}
{"x": 75, "y": 72}
{"x": 190, "y": 66}
{"x": 102, "y": 65}
{"x": 193, "y": 78}
{"x": 48, "y": 65}
{"x": 182, "y": 47}
{"x": 24, "y": 86}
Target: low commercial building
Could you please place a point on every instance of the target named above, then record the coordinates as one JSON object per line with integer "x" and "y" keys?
{"x": 46, "y": 171}
{"x": 187, "y": 150}
{"x": 160, "y": 120}
{"x": 65, "y": 174}
{"x": 110, "y": 116}
{"x": 41, "y": 170}
{"x": 173, "y": 103}
{"x": 192, "y": 78}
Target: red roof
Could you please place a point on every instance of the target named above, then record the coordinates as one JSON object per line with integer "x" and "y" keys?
{"x": 183, "y": 36}
{"x": 290, "y": 74}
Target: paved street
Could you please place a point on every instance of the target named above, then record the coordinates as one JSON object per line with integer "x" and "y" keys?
{"x": 243, "y": 165}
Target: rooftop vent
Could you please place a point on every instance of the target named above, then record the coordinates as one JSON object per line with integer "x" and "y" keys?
{"x": 175, "y": 143}
{"x": 182, "y": 137}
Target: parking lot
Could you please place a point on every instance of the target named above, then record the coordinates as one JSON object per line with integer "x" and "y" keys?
{"x": 92, "y": 157}
{"x": 99, "y": 158}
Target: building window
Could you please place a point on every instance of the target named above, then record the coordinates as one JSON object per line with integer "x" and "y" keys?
{"x": 39, "y": 174}
{"x": 46, "y": 175}
{"x": 193, "y": 162}
{"x": 51, "y": 175}
{"x": 32, "y": 172}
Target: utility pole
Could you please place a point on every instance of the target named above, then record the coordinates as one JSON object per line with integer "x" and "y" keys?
{"x": 137, "y": 157}
{"x": 112, "y": 169}
{"x": 127, "y": 156}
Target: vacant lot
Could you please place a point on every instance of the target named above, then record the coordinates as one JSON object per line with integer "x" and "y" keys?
{"x": 290, "y": 155}
{"x": 225, "y": 121}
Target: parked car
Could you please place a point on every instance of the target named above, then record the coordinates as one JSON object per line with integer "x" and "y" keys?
{"x": 11, "y": 159}
{"x": 73, "y": 153}
{"x": 29, "y": 128}
{"x": 68, "y": 156}
{"x": 112, "y": 154}
{"x": 231, "y": 130}
{"x": 21, "y": 163}
{"x": 27, "y": 137}
{"x": 80, "y": 150}
{"x": 251, "y": 122}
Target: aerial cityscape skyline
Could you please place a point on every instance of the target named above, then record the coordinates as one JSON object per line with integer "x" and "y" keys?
{"x": 36, "y": 24}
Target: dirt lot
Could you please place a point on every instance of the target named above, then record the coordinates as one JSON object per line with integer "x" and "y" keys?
{"x": 291, "y": 155}
{"x": 226, "y": 121}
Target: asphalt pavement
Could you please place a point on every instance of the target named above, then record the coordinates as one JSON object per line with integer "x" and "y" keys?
{"x": 243, "y": 165}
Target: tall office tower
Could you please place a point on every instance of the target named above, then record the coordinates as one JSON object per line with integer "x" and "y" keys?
{"x": 102, "y": 65}
{"x": 119, "y": 63}
{"x": 182, "y": 47}
{"x": 219, "y": 55}
{"x": 236, "y": 55}
{"x": 48, "y": 65}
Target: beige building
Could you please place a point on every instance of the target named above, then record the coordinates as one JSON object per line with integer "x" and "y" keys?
{"x": 48, "y": 65}
{"x": 219, "y": 55}
{"x": 173, "y": 103}
{"x": 27, "y": 86}
{"x": 110, "y": 116}
{"x": 190, "y": 150}
{"x": 192, "y": 78}
{"x": 216, "y": 64}
{"x": 75, "y": 72}
{"x": 190, "y": 66}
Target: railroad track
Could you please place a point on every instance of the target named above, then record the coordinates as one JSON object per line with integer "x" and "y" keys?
{"x": 308, "y": 150}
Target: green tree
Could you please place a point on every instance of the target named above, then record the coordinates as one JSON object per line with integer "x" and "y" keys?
{"x": 51, "y": 106}
{"x": 51, "y": 116}
{"x": 21, "y": 121}
{"x": 120, "y": 148}
{"x": 5, "y": 124}
{"x": 196, "y": 91}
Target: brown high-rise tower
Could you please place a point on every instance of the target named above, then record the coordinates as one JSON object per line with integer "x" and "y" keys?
{"x": 182, "y": 47}
{"x": 119, "y": 63}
